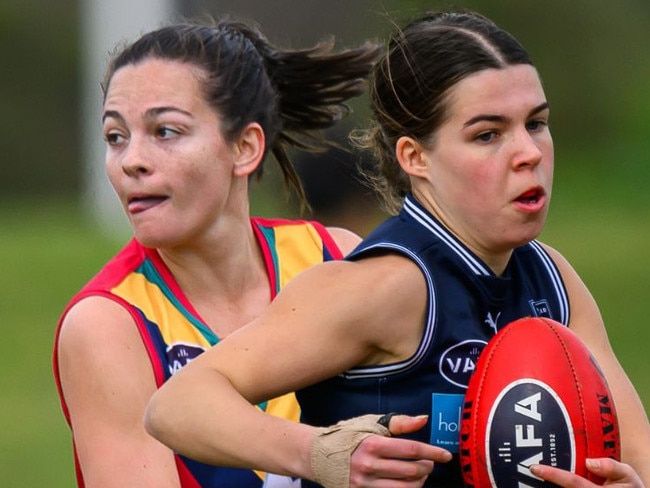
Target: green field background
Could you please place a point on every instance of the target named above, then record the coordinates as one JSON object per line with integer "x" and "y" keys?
{"x": 48, "y": 250}
{"x": 594, "y": 63}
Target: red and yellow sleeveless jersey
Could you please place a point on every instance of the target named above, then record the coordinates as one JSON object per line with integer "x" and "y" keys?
{"x": 173, "y": 332}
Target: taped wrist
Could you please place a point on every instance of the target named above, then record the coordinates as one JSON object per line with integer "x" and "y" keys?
{"x": 332, "y": 447}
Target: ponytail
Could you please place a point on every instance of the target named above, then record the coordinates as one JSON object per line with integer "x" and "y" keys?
{"x": 313, "y": 86}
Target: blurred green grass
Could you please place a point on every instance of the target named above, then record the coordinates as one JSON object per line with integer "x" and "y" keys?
{"x": 48, "y": 251}
{"x": 46, "y": 254}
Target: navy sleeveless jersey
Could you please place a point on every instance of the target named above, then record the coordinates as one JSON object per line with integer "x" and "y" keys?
{"x": 467, "y": 304}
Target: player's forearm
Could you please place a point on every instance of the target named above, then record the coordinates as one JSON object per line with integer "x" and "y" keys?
{"x": 636, "y": 453}
{"x": 634, "y": 427}
{"x": 206, "y": 419}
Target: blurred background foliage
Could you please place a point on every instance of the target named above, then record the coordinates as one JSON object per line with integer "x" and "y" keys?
{"x": 593, "y": 57}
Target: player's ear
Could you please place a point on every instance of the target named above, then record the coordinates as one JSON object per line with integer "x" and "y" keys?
{"x": 249, "y": 149}
{"x": 410, "y": 156}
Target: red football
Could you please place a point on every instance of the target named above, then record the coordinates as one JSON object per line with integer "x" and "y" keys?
{"x": 536, "y": 396}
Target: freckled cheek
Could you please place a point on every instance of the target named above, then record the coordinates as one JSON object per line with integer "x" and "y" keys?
{"x": 548, "y": 166}
{"x": 113, "y": 171}
{"x": 485, "y": 191}
{"x": 481, "y": 179}
{"x": 547, "y": 149}
{"x": 202, "y": 179}
{"x": 470, "y": 192}
{"x": 549, "y": 175}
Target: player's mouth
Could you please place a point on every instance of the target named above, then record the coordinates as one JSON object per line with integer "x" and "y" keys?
{"x": 532, "y": 200}
{"x": 140, "y": 203}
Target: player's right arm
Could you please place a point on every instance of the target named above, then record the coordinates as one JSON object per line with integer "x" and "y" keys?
{"x": 322, "y": 323}
{"x": 107, "y": 380}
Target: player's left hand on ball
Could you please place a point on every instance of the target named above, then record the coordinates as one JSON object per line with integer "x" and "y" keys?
{"x": 614, "y": 473}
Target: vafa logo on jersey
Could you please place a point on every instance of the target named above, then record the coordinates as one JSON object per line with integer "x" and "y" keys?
{"x": 459, "y": 361}
{"x": 179, "y": 354}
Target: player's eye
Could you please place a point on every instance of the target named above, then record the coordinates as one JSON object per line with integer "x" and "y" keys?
{"x": 165, "y": 132}
{"x": 486, "y": 136}
{"x": 536, "y": 125}
{"x": 113, "y": 138}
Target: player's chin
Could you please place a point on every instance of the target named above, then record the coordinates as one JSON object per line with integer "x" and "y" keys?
{"x": 525, "y": 233}
{"x": 158, "y": 236}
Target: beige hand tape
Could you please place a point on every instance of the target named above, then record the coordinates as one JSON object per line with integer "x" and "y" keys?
{"x": 333, "y": 446}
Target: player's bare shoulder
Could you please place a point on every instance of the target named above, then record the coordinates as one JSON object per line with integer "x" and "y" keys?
{"x": 97, "y": 331}
{"x": 345, "y": 239}
{"x": 92, "y": 317}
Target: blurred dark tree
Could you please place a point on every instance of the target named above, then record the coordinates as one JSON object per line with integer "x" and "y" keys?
{"x": 39, "y": 89}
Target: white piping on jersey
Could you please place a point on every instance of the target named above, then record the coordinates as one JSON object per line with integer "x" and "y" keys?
{"x": 474, "y": 264}
{"x": 384, "y": 369}
{"x": 560, "y": 290}
{"x": 477, "y": 266}
{"x": 426, "y": 221}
